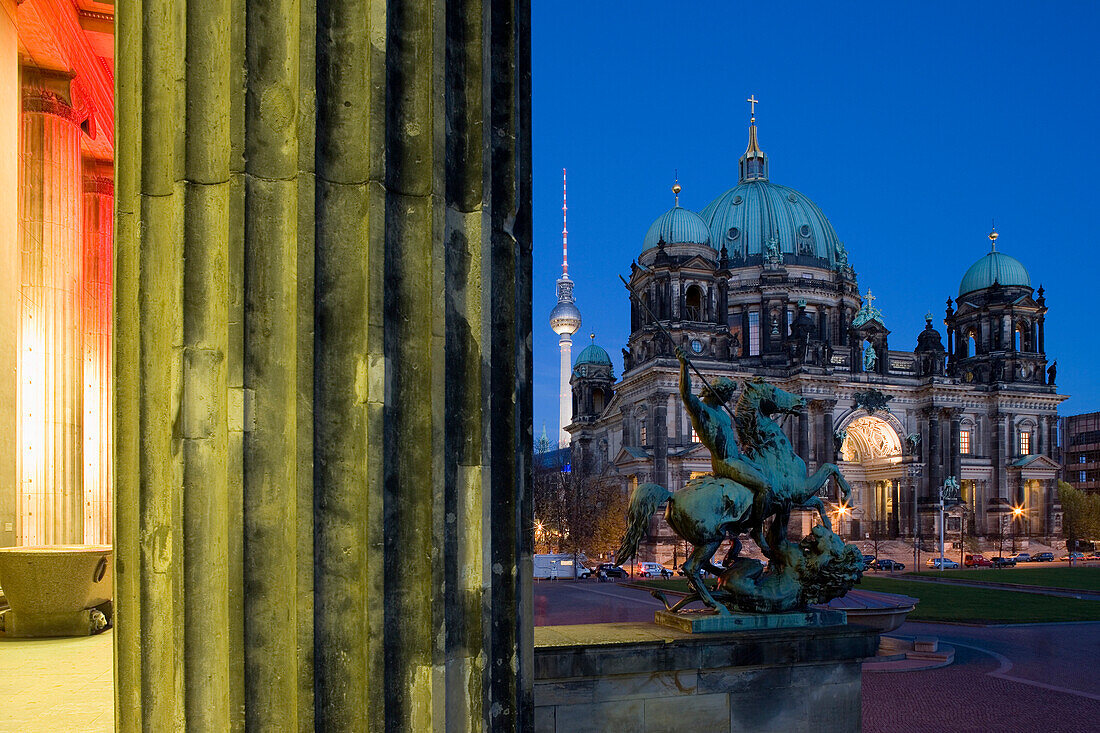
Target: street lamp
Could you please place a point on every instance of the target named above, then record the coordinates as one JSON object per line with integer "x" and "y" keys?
{"x": 841, "y": 511}
{"x": 1017, "y": 512}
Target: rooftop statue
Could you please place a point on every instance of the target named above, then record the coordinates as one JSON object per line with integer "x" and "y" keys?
{"x": 756, "y": 476}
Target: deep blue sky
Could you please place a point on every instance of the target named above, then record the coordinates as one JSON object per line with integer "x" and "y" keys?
{"x": 911, "y": 126}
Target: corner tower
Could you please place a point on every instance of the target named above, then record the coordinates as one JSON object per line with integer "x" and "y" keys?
{"x": 565, "y": 319}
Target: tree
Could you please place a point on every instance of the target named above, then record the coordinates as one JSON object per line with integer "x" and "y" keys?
{"x": 576, "y": 513}
{"x": 1080, "y": 514}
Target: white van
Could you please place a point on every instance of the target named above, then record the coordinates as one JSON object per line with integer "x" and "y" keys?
{"x": 565, "y": 566}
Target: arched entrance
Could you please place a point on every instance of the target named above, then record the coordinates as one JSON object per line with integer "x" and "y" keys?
{"x": 870, "y": 458}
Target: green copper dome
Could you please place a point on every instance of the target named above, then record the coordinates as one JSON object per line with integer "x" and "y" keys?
{"x": 994, "y": 267}
{"x": 592, "y": 354}
{"x": 757, "y": 212}
{"x": 677, "y": 226}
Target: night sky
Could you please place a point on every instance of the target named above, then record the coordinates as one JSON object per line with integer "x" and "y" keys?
{"x": 912, "y": 127}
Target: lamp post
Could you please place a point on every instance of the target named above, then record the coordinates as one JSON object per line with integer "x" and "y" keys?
{"x": 1017, "y": 512}
{"x": 841, "y": 511}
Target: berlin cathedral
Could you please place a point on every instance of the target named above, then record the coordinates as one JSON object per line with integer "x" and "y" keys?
{"x": 758, "y": 284}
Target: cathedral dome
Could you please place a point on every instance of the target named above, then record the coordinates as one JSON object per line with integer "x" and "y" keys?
{"x": 754, "y": 213}
{"x": 592, "y": 354}
{"x": 994, "y": 267}
{"x": 677, "y": 226}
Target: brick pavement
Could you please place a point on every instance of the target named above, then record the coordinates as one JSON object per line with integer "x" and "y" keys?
{"x": 964, "y": 698}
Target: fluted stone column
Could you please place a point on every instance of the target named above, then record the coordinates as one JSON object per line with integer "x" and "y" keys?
{"x": 322, "y": 366}
{"x": 955, "y": 462}
{"x": 935, "y": 454}
{"x": 804, "y": 433}
{"x": 98, "y": 236}
{"x": 50, "y": 320}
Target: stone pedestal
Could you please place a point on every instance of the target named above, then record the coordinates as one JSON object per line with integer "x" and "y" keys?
{"x": 643, "y": 677}
{"x": 702, "y": 622}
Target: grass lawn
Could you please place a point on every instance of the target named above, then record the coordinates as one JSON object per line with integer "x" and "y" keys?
{"x": 1077, "y": 578}
{"x": 944, "y": 602}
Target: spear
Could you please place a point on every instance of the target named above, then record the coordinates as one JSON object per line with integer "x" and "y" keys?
{"x": 673, "y": 342}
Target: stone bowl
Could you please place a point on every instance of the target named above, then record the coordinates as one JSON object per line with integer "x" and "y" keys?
{"x": 54, "y": 579}
{"x": 881, "y": 611}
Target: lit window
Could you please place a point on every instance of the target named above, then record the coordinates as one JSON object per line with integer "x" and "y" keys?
{"x": 1081, "y": 476}
{"x": 964, "y": 442}
{"x": 1081, "y": 458}
{"x": 754, "y": 333}
{"x": 1025, "y": 443}
{"x": 694, "y": 435}
{"x": 642, "y": 436}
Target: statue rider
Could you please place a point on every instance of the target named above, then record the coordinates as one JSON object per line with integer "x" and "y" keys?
{"x": 714, "y": 426}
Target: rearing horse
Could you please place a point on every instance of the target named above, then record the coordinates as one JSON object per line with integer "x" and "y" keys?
{"x": 765, "y": 444}
{"x": 710, "y": 509}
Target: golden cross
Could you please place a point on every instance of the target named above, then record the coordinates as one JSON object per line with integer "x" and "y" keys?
{"x": 753, "y": 101}
{"x": 870, "y": 298}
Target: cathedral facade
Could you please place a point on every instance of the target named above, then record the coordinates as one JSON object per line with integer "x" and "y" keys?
{"x": 758, "y": 284}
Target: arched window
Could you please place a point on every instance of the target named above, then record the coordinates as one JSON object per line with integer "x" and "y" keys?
{"x": 643, "y": 436}
{"x": 971, "y": 343}
{"x": 598, "y": 401}
{"x": 694, "y": 303}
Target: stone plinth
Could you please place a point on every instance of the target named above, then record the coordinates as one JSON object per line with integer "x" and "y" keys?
{"x": 645, "y": 677}
{"x": 707, "y": 621}
{"x": 56, "y": 590}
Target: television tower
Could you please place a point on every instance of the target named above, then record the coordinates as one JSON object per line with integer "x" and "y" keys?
{"x": 565, "y": 319}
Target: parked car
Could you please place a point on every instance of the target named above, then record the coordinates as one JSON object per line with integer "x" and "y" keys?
{"x": 653, "y": 570}
{"x": 1073, "y": 556}
{"x": 976, "y": 561}
{"x": 1003, "y": 562}
{"x": 611, "y": 570}
{"x": 1022, "y": 557}
{"x": 868, "y": 561}
{"x": 1043, "y": 557}
{"x": 887, "y": 564}
{"x": 948, "y": 563}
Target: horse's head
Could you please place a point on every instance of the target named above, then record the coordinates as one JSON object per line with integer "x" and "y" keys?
{"x": 769, "y": 399}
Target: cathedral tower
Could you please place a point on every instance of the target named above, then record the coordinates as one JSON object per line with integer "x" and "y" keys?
{"x": 565, "y": 319}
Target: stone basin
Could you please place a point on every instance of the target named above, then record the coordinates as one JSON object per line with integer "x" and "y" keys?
{"x": 881, "y": 611}
{"x": 56, "y": 590}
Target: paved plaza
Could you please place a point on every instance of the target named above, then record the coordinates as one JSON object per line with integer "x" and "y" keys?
{"x": 1034, "y": 677}
{"x": 1005, "y": 678}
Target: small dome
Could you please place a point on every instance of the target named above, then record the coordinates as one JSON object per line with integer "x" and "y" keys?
{"x": 592, "y": 354}
{"x": 994, "y": 267}
{"x": 677, "y": 226}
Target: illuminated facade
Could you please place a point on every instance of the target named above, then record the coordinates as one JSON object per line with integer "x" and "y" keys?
{"x": 758, "y": 283}
{"x": 57, "y": 112}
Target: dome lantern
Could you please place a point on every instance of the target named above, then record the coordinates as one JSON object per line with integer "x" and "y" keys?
{"x": 754, "y": 162}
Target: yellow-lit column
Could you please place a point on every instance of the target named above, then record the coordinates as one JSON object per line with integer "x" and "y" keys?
{"x": 50, "y": 323}
{"x": 99, "y": 197}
